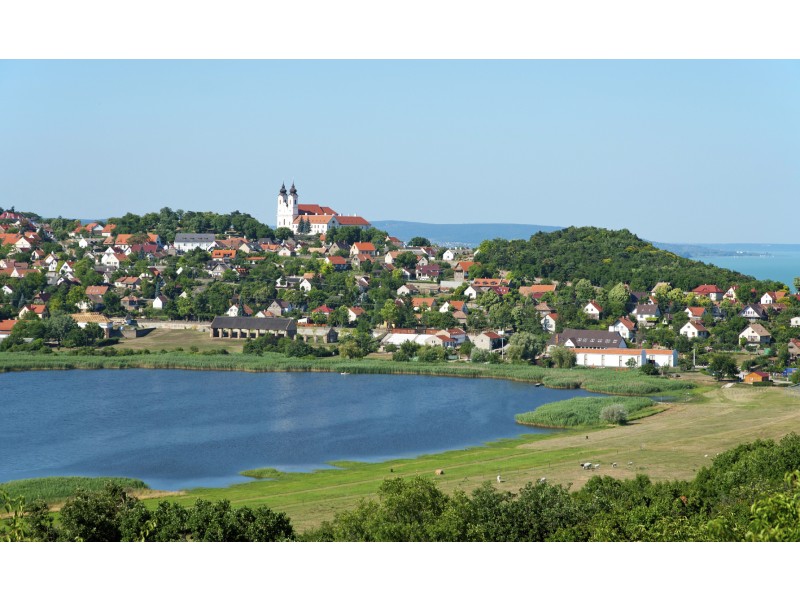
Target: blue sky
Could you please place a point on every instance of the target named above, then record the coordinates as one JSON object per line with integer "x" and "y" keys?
{"x": 682, "y": 151}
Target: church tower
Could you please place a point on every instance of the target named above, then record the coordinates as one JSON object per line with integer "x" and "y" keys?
{"x": 287, "y": 206}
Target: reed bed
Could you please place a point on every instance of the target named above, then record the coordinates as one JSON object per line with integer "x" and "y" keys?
{"x": 596, "y": 380}
{"x": 582, "y": 411}
{"x": 56, "y": 489}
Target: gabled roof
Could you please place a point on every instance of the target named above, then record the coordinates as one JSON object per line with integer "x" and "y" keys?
{"x": 707, "y": 289}
{"x": 696, "y": 311}
{"x": 697, "y": 326}
{"x": 758, "y": 329}
{"x": 627, "y": 323}
{"x": 538, "y": 289}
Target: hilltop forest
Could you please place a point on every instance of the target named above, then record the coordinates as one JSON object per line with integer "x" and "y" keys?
{"x": 603, "y": 257}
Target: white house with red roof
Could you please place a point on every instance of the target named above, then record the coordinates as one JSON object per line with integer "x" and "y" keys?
{"x": 593, "y": 310}
{"x": 695, "y": 313}
{"x": 549, "y": 322}
{"x": 711, "y": 291}
{"x": 693, "y": 329}
{"x": 625, "y": 327}
{"x": 5, "y": 327}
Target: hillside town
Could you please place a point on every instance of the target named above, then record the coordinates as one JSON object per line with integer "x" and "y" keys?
{"x": 322, "y": 283}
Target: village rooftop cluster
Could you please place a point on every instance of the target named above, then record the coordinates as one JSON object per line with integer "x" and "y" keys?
{"x": 326, "y": 279}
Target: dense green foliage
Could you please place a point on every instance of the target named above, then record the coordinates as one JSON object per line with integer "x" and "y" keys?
{"x": 582, "y": 411}
{"x": 112, "y": 515}
{"x": 603, "y": 257}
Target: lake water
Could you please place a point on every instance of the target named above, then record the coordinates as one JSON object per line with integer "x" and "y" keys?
{"x": 182, "y": 429}
{"x": 779, "y": 262}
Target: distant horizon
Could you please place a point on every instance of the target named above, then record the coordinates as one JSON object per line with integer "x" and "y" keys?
{"x": 532, "y": 225}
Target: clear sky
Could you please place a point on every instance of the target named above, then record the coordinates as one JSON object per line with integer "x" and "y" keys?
{"x": 678, "y": 151}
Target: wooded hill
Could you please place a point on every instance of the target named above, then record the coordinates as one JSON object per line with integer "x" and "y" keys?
{"x": 603, "y": 257}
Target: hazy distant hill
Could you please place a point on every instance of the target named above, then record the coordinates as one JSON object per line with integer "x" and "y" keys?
{"x": 463, "y": 234}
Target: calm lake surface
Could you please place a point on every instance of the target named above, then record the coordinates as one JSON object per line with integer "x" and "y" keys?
{"x": 182, "y": 429}
{"x": 779, "y": 262}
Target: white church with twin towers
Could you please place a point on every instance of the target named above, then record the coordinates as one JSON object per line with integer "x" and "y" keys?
{"x": 311, "y": 218}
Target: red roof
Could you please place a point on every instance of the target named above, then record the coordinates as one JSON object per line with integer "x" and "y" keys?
{"x": 315, "y": 209}
{"x": 353, "y": 221}
{"x": 323, "y": 309}
{"x": 707, "y": 289}
{"x": 7, "y": 325}
{"x": 364, "y": 246}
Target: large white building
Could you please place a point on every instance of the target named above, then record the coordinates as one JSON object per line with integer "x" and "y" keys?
{"x": 293, "y": 215}
{"x": 619, "y": 357}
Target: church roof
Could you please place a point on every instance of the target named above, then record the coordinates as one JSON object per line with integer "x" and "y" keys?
{"x": 315, "y": 209}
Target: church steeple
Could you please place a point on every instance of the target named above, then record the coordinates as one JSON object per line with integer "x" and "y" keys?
{"x": 287, "y": 206}
{"x": 293, "y": 190}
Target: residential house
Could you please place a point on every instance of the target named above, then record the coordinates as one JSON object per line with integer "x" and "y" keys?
{"x": 454, "y": 305}
{"x": 794, "y": 322}
{"x": 593, "y": 310}
{"x": 753, "y": 313}
{"x": 455, "y": 333}
{"x": 338, "y": 263}
{"x": 225, "y": 255}
{"x": 624, "y": 327}
{"x": 549, "y": 322}
{"x": 694, "y": 329}
{"x": 40, "y": 310}
{"x": 731, "y": 293}
{"x": 755, "y": 333}
{"x": 794, "y": 348}
{"x": 488, "y": 340}
{"x": 423, "y": 304}
{"x": 185, "y": 242}
{"x": 128, "y": 283}
{"x": 239, "y": 311}
{"x": 160, "y": 302}
{"x": 367, "y": 248}
{"x": 428, "y": 272}
{"x": 647, "y": 314}
{"x": 407, "y": 289}
{"x": 461, "y": 270}
{"x": 353, "y": 313}
{"x": 695, "y": 313}
{"x": 773, "y": 297}
{"x": 712, "y": 292}
{"x": 6, "y": 326}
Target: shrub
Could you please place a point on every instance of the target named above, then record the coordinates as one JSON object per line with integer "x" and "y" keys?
{"x": 614, "y": 413}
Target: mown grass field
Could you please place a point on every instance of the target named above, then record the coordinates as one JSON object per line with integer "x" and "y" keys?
{"x": 170, "y": 339}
